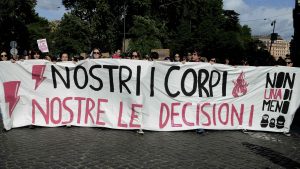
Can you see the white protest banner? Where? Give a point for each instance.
(160, 96)
(42, 44)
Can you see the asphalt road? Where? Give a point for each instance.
(80, 147)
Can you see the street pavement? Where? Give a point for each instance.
(82, 147)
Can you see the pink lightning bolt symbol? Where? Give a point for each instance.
(11, 90)
(37, 74)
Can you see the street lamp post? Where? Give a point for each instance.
(272, 35)
(124, 26)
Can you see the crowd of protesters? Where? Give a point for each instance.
(194, 56)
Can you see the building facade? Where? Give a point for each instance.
(280, 47)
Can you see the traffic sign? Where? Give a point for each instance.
(14, 51)
(13, 44)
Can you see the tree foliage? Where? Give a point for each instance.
(180, 25)
(71, 36)
(14, 16)
(39, 29)
(146, 35)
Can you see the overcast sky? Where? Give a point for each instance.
(257, 14)
(50, 9)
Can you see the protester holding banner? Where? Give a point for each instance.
(26, 55)
(226, 61)
(176, 58)
(289, 62)
(64, 57)
(154, 56)
(96, 53)
(14, 58)
(212, 60)
(196, 57)
(4, 56)
(49, 58)
(188, 57)
(36, 55)
(146, 57)
(203, 59)
(117, 54)
(82, 56)
(135, 55)
(281, 62)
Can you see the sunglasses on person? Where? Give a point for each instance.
(213, 60)
(96, 52)
(289, 62)
(3, 55)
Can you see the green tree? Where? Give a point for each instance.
(146, 34)
(39, 29)
(192, 24)
(71, 36)
(180, 25)
(103, 18)
(103, 28)
(230, 21)
(14, 16)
